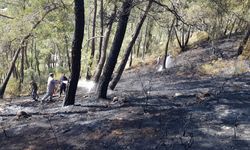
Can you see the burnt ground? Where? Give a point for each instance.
(177, 109)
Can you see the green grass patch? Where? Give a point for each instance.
(225, 67)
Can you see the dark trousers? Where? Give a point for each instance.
(62, 88)
(34, 94)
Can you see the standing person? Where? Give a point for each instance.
(34, 89)
(63, 83)
(50, 87)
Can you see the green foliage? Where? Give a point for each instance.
(62, 70)
(246, 51)
(225, 67)
(12, 88)
(198, 37)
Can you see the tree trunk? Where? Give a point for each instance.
(177, 38)
(15, 73)
(91, 59)
(187, 38)
(183, 41)
(145, 41)
(58, 56)
(101, 26)
(21, 70)
(67, 52)
(22, 63)
(238, 26)
(166, 47)
(32, 54)
(48, 61)
(149, 35)
(76, 53)
(131, 56)
(100, 65)
(225, 31)
(129, 48)
(26, 56)
(231, 30)
(37, 61)
(88, 41)
(183, 36)
(244, 41)
(139, 45)
(102, 87)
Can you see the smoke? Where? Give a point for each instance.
(87, 85)
(169, 63)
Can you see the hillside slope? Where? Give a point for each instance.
(177, 109)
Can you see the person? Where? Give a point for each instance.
(50, 88)
(34, 89)
(63, 83)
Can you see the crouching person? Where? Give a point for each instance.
(50, 88)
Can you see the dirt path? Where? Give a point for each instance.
(176, 110)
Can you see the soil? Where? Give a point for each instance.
(176, 109)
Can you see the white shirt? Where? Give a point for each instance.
(51, 85)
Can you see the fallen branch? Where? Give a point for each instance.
(5, 16)
(54, 133)
(5, 134)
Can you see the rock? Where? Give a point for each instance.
(115, 99)
(124, 100)
(202, 96)
(22, 114)
(177, 94)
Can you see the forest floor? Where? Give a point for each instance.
(176, 109)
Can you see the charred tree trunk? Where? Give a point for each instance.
(100, 65)
(129, 48)
(21, 70)
(91, 59)
(166, 47)
(244, 41)
(76, 53)
(102, 87)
